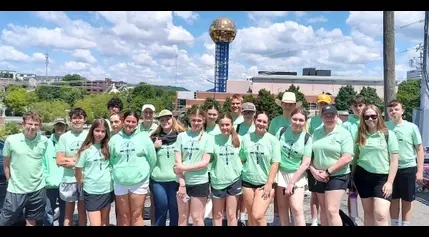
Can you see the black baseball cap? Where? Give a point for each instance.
(329, 109)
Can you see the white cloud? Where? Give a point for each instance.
(300, 13)
(84, 55)
(188, 16)
(9, 53)
(76, 66)
(317, 19)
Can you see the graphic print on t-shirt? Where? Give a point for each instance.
(226, 152)
(194, 146)
(288, 145)
(169, 150)
(75, 146)
(258, 151)
(127, 148)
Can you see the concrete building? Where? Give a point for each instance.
(100, 86)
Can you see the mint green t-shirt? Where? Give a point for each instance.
(277, 123)
(329, 148)
(213, 130)
(259, 152)
(148, 132)
(70, 144)
(408, 135)
(238, 120)
(244, 129)
(315, 122)
(374, 157)
(26, 162)
(293, 149)
(352, 125)
(96, 170)
(166, 159)
(193, 146)
(53, 172)
(226, 166)
(132, 157)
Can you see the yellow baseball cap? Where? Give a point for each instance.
(324, 98)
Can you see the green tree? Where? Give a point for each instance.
(409, 95)
(69, 78)
(9, 128)
(226, 107)
(268, 104)
(45, 92)
(70, 95)
(298, 94)
(344, 95)
(371, 97)
(50, 110)
(210, 102)
(15, 100)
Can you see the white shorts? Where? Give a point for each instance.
(283, 179)
(141, 188)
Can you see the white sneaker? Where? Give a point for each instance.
(314, 223)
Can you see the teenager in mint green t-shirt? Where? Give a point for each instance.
(377, 164)
(410, 165)
(236, 103)
(260, 152)
(163, 185)
(148, 125)
(53, 176)
(226, 173)
(23, 155)
(248, 110)
(93, 171)
(212, 127)
(193, 150)
(133, 157)
(296, 148)
(67, 148)
(330, 167)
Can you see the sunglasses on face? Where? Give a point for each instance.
(373, 117)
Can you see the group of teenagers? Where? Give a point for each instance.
(238, 162)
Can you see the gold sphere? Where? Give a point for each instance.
(223, 30)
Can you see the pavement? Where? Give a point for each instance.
(420, 212)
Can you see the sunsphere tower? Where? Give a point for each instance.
(222, 32)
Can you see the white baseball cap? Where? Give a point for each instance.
(148, 106)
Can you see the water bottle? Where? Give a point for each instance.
(353, 204)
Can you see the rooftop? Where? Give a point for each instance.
(317, 78)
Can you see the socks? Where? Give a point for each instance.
(405, 223)
(242, 216)
(314, 222)
(395, 222)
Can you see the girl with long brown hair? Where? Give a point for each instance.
(163, 185)
(375, 166)
(132, 156)
(193, 149)
(225, 174)
(260, 152)
(296, 149)
(94, 173)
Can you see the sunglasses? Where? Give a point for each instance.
(373, 117)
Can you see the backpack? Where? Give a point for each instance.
(283, 130)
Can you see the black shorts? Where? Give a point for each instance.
(96, 202)
(311, 181)
(404, 184)
(250, 185)
(370, 185)
(198, 190)
(338, 182)
(34, 204)
(234, 189)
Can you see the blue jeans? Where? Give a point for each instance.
(53, 195)
(164, 197)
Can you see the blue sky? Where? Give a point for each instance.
(174, 48)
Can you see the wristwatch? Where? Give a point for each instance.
(327, 171)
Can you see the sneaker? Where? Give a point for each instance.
(276, 222)
(314, 224)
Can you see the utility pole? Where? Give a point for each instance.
(424, 92)
(47, 63)
(389, 59)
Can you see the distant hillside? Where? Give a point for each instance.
(171, 88)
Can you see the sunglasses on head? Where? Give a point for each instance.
(373, 117)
